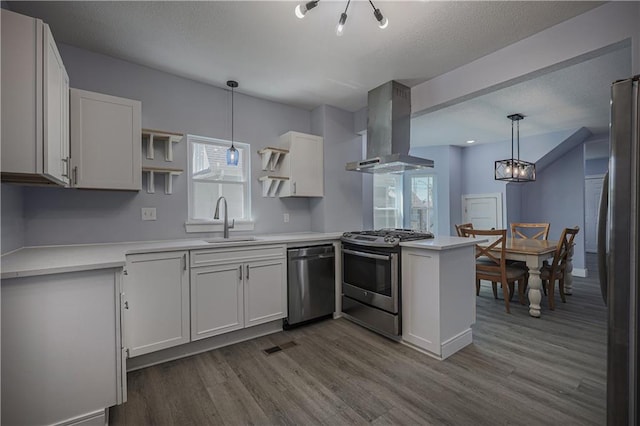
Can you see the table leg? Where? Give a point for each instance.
(535, 287)
(568, 277)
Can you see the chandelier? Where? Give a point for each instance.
(514, 169)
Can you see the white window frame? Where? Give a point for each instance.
(408, 180)
(399, 204)
(211, 225)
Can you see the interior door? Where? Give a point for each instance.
(592, 191)
(483, 210)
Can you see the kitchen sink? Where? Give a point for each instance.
(230, 239)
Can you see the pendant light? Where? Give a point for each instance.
(232, 153)
(514, 169)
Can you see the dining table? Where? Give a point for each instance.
(534, 253)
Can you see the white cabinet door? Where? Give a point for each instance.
(216, 300)
(60, 346)
(265, 292)
(56, 112)
(106, 138)
(156, 291)
(303, 165)
(35, 117)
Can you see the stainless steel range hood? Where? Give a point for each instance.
(388, 132)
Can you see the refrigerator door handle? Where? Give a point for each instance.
(602, 237)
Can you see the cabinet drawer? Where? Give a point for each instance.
(227, 255)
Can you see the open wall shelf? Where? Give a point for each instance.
(168, 173)
(151, 136)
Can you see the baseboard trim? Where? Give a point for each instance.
(204, 345)
(447, 348)
(580, 272)
(456, 343)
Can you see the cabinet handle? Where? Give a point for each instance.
(294, 187)
(65, 162)
(240, 271)
(75, 175)
(126, 304)
(184, 259)
(247, 271)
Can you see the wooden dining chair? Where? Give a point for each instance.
(550, 273)
(461, 226)
(491, 264)
(534, 231)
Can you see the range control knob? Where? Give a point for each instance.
(347, 235)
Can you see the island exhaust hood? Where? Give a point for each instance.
(388, 132)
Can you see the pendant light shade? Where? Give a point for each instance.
(514, 169)
(233, 155)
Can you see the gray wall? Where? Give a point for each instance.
(11, 200)
(597, 166)
(60, 216)
(341, 207)
(557, 197)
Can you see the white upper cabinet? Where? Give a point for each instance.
(35, 103)
(106, 137)
(303, 165)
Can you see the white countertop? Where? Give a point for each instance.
(444, 242)
(43, 260)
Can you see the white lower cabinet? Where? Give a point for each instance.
(438, 299)
(156, 293)
(236, 288)
(62, 357)
(216, 300)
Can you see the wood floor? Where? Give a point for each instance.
(518, 371)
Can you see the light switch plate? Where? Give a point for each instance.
(149, 213)
(286, 218)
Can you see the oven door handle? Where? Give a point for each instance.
(369, 255)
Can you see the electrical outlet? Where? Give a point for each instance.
(149, 213)
(286, 218)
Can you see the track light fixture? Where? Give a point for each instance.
(302, 9)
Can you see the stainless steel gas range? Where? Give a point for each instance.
(371, 278)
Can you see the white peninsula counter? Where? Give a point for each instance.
(438, 294)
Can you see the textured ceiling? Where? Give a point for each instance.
(276, 56)
(572, 97)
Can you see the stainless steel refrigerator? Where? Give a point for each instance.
(618, 252)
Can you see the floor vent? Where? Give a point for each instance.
(279, 348)
(272, 350)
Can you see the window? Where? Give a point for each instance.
(423, 212)
(389, 204)
(210, 178)
(387, 201)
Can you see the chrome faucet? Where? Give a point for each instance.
(216, 215)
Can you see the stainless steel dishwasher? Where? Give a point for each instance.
(311, 284)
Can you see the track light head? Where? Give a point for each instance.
(341, 22)
(302, 9)
(383, 22)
